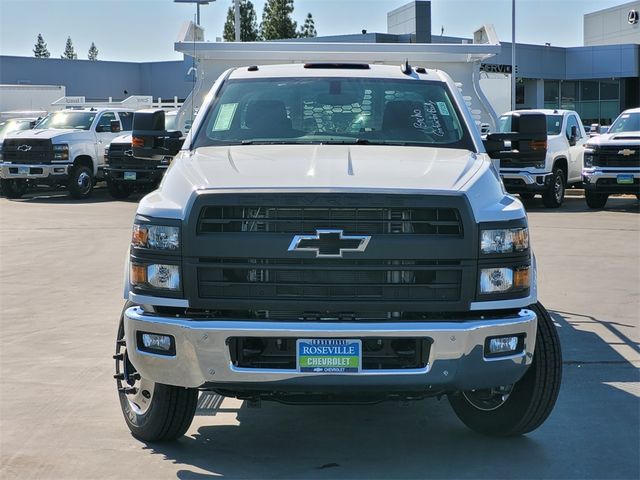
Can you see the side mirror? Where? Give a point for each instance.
(115, 126)
(573, 139)
(528, 139)
(150, 139)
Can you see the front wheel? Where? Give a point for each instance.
(153, 411)
(520, 408)
(80, 182)
(13, 188)
(596, 200)
(553, 196)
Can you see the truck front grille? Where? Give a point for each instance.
(421, 255)
(377, 353)
(302, 220)
(27, 151)
(610, 156)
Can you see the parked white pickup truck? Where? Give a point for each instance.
(334, 233)
(562, 166)
(66, 148)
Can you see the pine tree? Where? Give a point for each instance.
(248, 23)
(40, 50)
(93, 52)
(276, 20)
(69, 52)
(309, 28)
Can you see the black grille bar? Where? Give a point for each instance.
(27, 151)
(611, 156)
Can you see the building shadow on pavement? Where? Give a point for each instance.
(592, 433)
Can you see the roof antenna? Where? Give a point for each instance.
(406, 68)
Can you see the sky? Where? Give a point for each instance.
(145, 30)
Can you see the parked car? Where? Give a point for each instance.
(66, 148)
(334, 233)
(126, 173)
(562, 166)
(612, 160)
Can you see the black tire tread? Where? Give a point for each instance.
(596, 200)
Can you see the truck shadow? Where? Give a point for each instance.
(62, 197)
(592, 433)
(571, 204)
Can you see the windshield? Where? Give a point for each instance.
(61, 120)
(334, 111)
(14, 126)
(554, 124)
(626, 122)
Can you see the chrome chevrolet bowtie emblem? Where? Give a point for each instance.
(329, 243)
(626, 152)
(128, 153)
(24, 148)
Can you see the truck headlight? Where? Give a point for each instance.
(61, 151)
(589, 153)
(161, 276)
(504, 279)
(157, 237)
(106, 155)
(504, 240)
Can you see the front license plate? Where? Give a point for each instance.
(23, 170)
(321, 355)
(625, 179)
(129, 175)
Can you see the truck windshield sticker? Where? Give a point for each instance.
(225, 116)
(432, 119)
(443, 108)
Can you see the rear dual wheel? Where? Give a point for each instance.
(522, 407)
(153, 411)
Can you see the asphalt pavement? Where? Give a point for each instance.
(61, 266)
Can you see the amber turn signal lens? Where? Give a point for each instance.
(137, 142)
(138, 274)
(521, 278)
(538, 144)
(140, 236)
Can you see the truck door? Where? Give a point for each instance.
(576, 151)
(104, 134)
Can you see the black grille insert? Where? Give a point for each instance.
(609, 156)
(329, 279)
(29, 151)
(304, 220)
(377, 353)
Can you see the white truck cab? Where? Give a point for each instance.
(65, 148)
(334, 232)
(562, 166)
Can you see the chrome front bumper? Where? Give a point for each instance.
(456, 358)
(17, 170)
(594, 174)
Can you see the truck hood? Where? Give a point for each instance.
(48, 133)
(310, 167)
(620, 138)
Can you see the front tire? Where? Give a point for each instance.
(523, 407)
(80, 182)
(596, 200)
(153, 412)
(553, 196)
(15, 188)
(119, 190)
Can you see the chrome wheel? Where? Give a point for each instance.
(558, 188)
(488, 399)
(84, 181)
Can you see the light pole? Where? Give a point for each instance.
(198, 3)
(513, 54)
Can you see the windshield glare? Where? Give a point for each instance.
(63, 120)
(626, 122)
(14, 126)
(334, 110)
(554, 124)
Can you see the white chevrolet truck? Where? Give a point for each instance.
(612, 161)
(562, 166)
(66, 148)
(335, 233)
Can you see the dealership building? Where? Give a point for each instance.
(598, 79)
